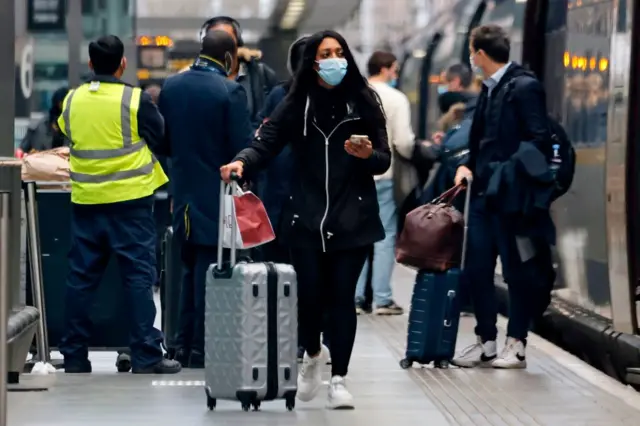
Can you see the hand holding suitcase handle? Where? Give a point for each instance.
(233, 178)
(447, 198)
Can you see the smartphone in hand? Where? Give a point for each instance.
(357, 139)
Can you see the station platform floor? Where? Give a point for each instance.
(557, 389)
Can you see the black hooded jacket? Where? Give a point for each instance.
(333, 202)
(515, 112)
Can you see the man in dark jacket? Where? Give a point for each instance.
(207, 123)
(44, 134)
(511, 110)
(248, 70)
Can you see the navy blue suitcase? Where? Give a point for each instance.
(435, 311)
(433, 318)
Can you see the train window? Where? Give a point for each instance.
(410, 79)
(509, 14)
(576, 80)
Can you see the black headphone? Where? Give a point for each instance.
(237, 29)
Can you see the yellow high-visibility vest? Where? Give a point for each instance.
(110, 162)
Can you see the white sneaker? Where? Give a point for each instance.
(310, 375)
(477, 355)
(512, 356)
(339, 397)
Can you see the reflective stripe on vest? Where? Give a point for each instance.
(102, 154)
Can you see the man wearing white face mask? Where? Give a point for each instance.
(509, 139)
(383, 77)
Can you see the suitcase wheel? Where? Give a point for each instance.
(123, 363)
(256, 405)
(245, 406)
(443, 364)
(290, 403)
(406, 363)
(211, 402)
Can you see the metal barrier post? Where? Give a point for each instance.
(4, 302)
(35, 257)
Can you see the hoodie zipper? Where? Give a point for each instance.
(326, 176)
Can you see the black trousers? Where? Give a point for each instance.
(196, 260)
(330, 278)
(130, 234)
(272, 252)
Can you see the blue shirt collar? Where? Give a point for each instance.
(493, 81)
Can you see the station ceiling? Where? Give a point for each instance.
(326, 14)
(317, 15)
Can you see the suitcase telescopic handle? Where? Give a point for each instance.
(230, 220)
(467, 181)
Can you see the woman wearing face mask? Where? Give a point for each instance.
(331, 217)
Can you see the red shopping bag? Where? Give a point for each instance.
(245, 211)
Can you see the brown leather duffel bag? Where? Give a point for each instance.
(433, 235)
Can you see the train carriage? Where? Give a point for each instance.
(584, 52)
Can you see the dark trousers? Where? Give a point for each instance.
(273, 252)
(97, 232)
(489, 236)
(327, 283)
(196, 260)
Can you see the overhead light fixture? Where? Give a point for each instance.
(292, 14)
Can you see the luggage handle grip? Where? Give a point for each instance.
(467, 203)
(232, 222)
(451, 295)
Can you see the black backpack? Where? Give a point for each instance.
(564, 175)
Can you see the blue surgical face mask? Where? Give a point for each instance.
(442, 89)
(332, 70)
(393, 83)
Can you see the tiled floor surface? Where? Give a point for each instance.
(550, 392)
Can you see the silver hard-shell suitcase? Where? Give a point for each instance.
(251, 327)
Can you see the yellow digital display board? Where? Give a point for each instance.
(160, 40)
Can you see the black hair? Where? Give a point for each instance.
(354, 85)
(226, 20)
(217, 44)
(106, 54)
(461, 71)
(380, 60)
(493, 40)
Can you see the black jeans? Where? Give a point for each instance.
(330, 278)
